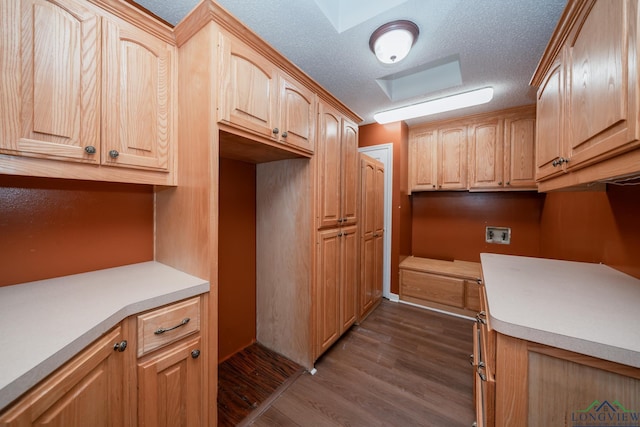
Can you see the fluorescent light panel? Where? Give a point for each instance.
(435, 106)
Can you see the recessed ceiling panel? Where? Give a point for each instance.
(346, 14)
(422, 80)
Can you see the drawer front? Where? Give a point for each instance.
(431, 287)
(167, 324)
(471, 295)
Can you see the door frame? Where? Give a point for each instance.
(384, 153)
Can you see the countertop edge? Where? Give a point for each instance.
(14, 389)
(564, 342)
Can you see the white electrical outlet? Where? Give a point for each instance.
(501, 235)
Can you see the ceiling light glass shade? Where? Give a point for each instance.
(435, 106)
(392, 42)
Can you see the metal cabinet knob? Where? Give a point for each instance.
(285, 134)
(500, 183)
(90, 149)
(114, 154)
(195, 354)
(508, 182)
(120, 346)
(275, 131)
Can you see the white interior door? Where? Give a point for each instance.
(384, 154)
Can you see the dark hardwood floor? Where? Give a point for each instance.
(250, 380)
(403, 366)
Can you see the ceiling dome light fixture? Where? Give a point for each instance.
(392, 42)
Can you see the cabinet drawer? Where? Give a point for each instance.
(471, 295)
(167, 324)
(431, 287)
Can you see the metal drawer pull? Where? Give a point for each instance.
(482, 376)
(160, 331)
(481, 317)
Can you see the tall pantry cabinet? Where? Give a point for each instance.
(371, 234)
(337, 218)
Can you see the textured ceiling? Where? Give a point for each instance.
(497, 42)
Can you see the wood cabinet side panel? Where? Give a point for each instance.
(511, 381)
(284, 269)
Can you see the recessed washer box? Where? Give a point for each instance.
(501, 235)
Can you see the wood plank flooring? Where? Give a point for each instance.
(403, 366)
(249, 379)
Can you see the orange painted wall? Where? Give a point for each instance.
(236, 257)
(451, 225)
(575, 226)
(397, 134)
(594, 227)
(53, 227)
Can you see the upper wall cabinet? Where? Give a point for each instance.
(438, 158)
(85, 87)
(587, 96)
(501, 151)
(50, 80)
(256, 96)
(136, 98)
(493, 151)
(338, 172)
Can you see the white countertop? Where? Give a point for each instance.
(587, 308)
(45, 323)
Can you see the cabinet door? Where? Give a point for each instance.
(297, 115)
(51, 99)
(350, 269)
(452, 156)
(423, 161)
(329, 164)
(549, 123)
(367, 230)
(328, 289)
(248, 88)
(520, 171)
(137, 99)
(349, 173)
(87, 391)
(171, 388)
(372, 234)
(486, 160)
(379, 233)
(602, 80)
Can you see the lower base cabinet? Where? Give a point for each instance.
(90, 390)
(445, 285)
(523, 383)
(110, 384)
(170, 387)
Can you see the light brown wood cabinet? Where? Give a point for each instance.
(587, 96)
(483, 361)
(493, 151)
(170, 387)
(438, 158)
(501, 151)
(549, 122)
(338, 169)
(337, 250)
(445, 285)
(519, 382)
(258, 97)
(91, 389)
(371, 234)
(164, 381)
(336, 284)
(172, 366)
(83, 86)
